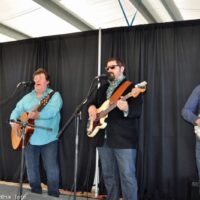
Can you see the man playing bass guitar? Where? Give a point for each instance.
(117, 142)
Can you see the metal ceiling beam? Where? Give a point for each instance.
(12, 33)
(55, 7)
(144, 11)
(172, 9)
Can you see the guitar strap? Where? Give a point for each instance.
(41, 106)
(117, 94)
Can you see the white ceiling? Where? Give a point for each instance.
(21, 19)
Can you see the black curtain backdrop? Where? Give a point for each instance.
(165, 55)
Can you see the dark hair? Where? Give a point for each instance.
(42, 71)
(118, 61)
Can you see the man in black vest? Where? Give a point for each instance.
(117, 143)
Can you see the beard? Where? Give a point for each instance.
(111, 76)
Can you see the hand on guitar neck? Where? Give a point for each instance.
(122, 104)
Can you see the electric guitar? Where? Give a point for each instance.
(102, 112)
(16, 134)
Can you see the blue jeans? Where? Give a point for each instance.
(197, 150)
(118, 166)
(49, 155)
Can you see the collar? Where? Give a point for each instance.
(116, 82)
(47, 91)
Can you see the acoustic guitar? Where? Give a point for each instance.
(102, 112)
(16, 134)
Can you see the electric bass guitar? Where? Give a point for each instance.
(102, 112)
(16, 134)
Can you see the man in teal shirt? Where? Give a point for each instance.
(43, 143)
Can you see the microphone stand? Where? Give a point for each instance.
(77, 115)
(23, 134)
(23, 126)
(12, 95)
(19, 196)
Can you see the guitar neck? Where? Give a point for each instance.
(43, 102)
(37, 108)
(112, 106)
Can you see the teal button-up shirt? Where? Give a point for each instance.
(49, 116)
(113, 85)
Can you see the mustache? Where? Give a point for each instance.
(111, 76)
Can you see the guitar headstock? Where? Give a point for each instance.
(139, 88)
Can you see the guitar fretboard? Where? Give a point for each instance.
(103, 113)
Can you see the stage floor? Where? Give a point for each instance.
(9, 191)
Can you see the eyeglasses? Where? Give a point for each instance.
(111, 67)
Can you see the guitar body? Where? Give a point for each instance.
(99, 122)
(16, 134)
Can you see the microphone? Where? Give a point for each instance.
(25, 83)
(102, 76)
